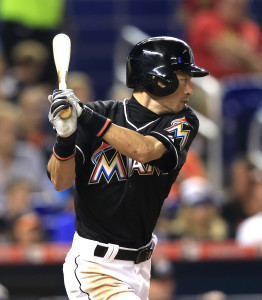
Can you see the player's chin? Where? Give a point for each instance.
(180, 106)
(178, 109)
(183, 104)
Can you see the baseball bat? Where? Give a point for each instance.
(61, 53)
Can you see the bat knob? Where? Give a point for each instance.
(66, 113)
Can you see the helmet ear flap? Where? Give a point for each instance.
(162, 87)
(159, 81)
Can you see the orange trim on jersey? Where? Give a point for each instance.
(108, 121)
(63, 158)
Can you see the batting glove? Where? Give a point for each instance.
(68, 96)
(61, 100)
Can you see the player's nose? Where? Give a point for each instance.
(188, 90)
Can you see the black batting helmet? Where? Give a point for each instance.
(153, 62)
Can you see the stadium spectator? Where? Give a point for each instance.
(31, 20)
(29, 59)
(27, 230)
(19, 201)
(188, 8)
(4, 293)
(198, 217)
(193, 167)
(162, 284)
(212, 295)
(82, 85)
(225, 39)
(34, 126)
(19, 198)
(19, 159)
(237, 206)
(249, 231)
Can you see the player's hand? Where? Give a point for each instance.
(61, 100)
(69, 96)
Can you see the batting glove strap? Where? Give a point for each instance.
(64, 148)
(95, 123)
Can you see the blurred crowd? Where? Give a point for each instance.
(31, 211)
(225, 39)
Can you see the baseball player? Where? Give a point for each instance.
(123, 157)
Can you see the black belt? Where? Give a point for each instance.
(137, 256)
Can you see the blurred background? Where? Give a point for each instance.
(210, 228)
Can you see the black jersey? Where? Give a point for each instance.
(118, 199)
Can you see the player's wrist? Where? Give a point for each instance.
(64, 147)
(95, 123)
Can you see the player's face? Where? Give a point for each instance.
(179, 99)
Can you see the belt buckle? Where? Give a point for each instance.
(144, 255)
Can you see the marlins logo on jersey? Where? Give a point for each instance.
(178, 130)
(109, 163)
(107, 167)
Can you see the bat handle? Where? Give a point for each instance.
(65, 113)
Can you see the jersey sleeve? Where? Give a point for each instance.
(107, 108)
(97, 106)
(177, 134)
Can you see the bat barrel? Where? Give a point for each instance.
(61, 53)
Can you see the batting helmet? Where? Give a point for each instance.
(153, 62)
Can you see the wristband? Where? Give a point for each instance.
(94, 122)
(64, 148)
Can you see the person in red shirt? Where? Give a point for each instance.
(188, 8)
(226, 40)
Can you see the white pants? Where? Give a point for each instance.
(94, 278)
